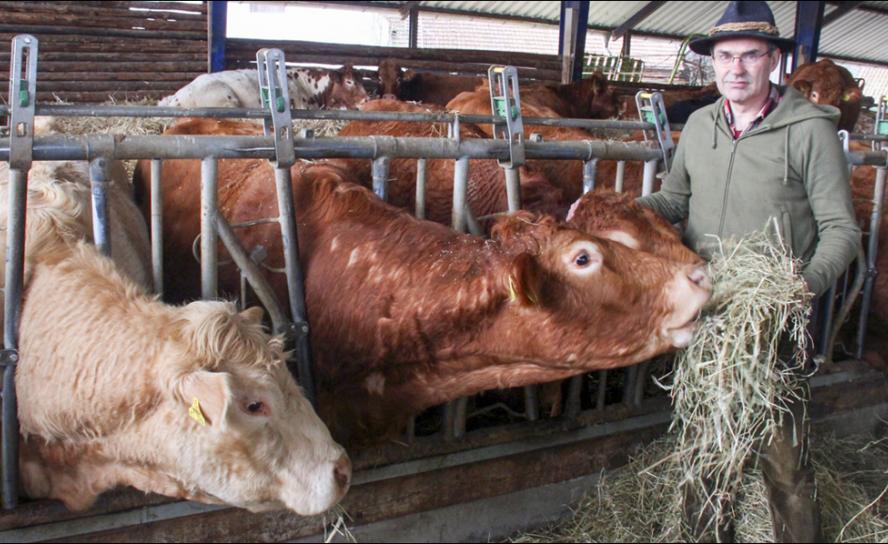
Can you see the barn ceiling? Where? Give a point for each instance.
(858, 35)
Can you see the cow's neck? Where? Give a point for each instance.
(312, 86)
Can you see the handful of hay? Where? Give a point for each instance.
(732, 384)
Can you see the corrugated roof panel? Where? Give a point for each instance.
(548, 10)
(857, 34)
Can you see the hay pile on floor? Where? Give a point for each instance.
(638, 504)
(728, 390)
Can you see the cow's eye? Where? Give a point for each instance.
(257, 408)
(582, 259)
(349, 83)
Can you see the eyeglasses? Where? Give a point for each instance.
(746, 59)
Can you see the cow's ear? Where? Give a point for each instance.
(851, 95)
(253, 315)
(525, 280)
(206, 397)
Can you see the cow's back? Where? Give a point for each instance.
(228, 89)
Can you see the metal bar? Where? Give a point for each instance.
(574, 389)
(634, 19)
(808, 23)
(567, 39)
(209, 258)
(460, 186)
(157, 226)
(251, 272)
(61, 147)
(380, 172)
(620, 175)
(217, 29)
(513, 188)
(589, 168)
(12, 303)
(842, 9)
(295, 282)
(631, 374)
(602, 390)
(472, 223)
(413, 26)
(647, 184)
(420, 188)
(872, 250)
(826, 321)
(84, 110)
(640, 380)
(99, 182)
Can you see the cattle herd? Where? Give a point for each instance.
(192, 399)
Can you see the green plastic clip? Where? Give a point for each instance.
(24, 96)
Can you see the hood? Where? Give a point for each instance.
(793, 108)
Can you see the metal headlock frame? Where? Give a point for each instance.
(21, 147)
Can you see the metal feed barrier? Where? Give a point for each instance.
(282, 147)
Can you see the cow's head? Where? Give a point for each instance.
(346, 89)
(389, 78)
(599, 302)
(237, 426)
(617, 217)
(598, 98)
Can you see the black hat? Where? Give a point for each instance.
(743, 19)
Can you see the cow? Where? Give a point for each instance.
(116, 388)
(588, 98)
(486, 192)
(406, 314)
(566, 175)
(307, 89)
(825, 82)
(679, 103)
(428, 88)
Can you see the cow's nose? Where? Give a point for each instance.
(699, 277)
(342, 473)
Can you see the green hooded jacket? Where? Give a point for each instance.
(790, 168)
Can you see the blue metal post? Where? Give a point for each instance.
(579, 40)
(809, 20)
(217, 29)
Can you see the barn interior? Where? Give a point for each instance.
(509, 465)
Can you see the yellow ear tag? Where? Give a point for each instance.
(513, 296)
(195, 412)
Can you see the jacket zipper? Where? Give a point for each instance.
(724, 210)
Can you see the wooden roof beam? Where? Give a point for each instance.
(635, 18)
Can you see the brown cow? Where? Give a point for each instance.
(407, 314)
(108, 375)
(566, 175)
(486, 189)
(825, 82)
(588, 98)
(422, 87)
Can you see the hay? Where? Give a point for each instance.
(730, 386)
(335, 526)
(639, 504)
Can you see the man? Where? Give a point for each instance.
(762, 153)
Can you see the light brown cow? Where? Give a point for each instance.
(825, 82)
(407, 314)
(116, 388)
(486, 188)
(307, 89)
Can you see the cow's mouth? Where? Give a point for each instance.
(682, 335)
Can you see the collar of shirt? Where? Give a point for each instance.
(769, 105)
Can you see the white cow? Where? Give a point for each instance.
(308, 89)
(117, 388)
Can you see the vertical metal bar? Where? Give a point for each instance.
(574, 388)
(98, 181)
(631, 374)
(157, 226)
(602, 390)
(647, 184)
(295, 282)
(589, 169)
(872, 249)
(472, 223)
(826, 320)
(15, 268)
(209, 257)
(420, 188)
(513, 188)
(621, 173)
(460, 187)
(413, 26)
(380, 173)
(640, 381)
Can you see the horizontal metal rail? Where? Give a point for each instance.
(72, 148)
(332, 115)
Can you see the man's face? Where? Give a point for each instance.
(742, 67)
